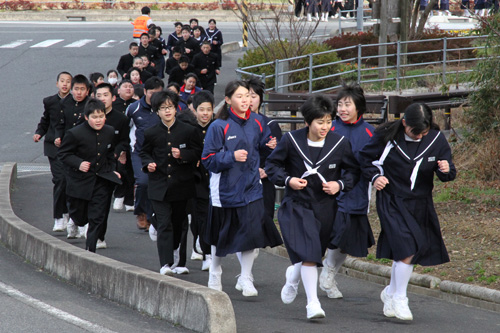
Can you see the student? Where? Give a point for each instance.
(146, 48)
(96, 79)
(161, 45)
(173, 38)
(179, 72)
(337, 5)
(169, 154)
(189, 87)
(112, 78)
(312, 10)
(206, 66)
(214, 36)
(193, 23)
(174, 61)
(127, 61)
(188, 44)
(401, 160)
(134, 75)
(138, 92)
(142, 117)
(139, 63)
(142, 23)
(46, 127)
(87, 153)
(231, 154)
(172, 86)
(124, 98)
(326, 6)
(352, 233)
(147, 66)
(314, 164)
(199, 35)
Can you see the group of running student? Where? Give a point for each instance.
(223, 173)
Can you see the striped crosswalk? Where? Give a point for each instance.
(59, 43)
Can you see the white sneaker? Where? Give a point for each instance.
(334, 292)
(214, 281)
(153, 234)
(401, 308)
(289, 290)
(118, 203)
(129, 208)
(314, 310)
(198, 246)
(83, 231)
(72, 229)
(205, 266)
(176, 257)
(166, 270)
(101, 244)
(196, 256)
(327, 276)
(181, 270)
(387, 299)
(58, 225)
(65, 219)
(238, 286)
(247, 287)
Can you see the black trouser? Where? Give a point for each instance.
(338, 5)
(199, 224)
(171, 222)
(60, 206)
(126, 189)
(94, 211)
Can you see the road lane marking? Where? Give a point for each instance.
(49, 309)
(111, 43)
(47, 43)
(80, 43)
(17, 43)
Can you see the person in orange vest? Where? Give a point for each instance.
(142, 23)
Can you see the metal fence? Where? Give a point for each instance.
(449, 62)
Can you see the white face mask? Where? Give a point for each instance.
(112, 80)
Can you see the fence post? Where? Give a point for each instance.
(281, 79)
(310, 73)
(398, 64)
(276, 73)
(340, 22)
(359, 64)
(445, 46)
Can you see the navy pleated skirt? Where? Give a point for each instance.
(241, 229)
(306, 228)
(409, 227)
(352, 234)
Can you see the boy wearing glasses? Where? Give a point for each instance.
(169, 155)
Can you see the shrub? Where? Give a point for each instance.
(257, 56)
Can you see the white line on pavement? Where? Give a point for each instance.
(47, 43)
(80, 43)
(12, 45)
(110, 43)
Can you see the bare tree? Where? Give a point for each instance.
(416, 30)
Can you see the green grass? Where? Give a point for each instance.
(372, 257)
(481, 275)
(488, 196)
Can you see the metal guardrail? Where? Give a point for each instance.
(280, 72)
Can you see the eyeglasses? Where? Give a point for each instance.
(166, 108)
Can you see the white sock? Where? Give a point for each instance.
(238, 255)
(403, 273)
(246, 263)
(310, 282)
(335, 259)
(215, 266)
(392, 285)
(294, 279)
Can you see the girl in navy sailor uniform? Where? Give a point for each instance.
(352, 233)
(314, 164)
(401, 160)
(236, 219)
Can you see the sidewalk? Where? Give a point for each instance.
(359, 311)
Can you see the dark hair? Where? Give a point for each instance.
(418, 116)
(159, 29)
(95, 76)
(191, 75)
(144, 34)
(124, 81)
(206, 42)
(316, 107)
(258, 87)
(139, 90)
(187, 28)
(152, 31)
(145, 10)
(175, 85)
(80, 78)
(63, 73)
(161, 97)
(154, 83)
(92, 106)
(112, 71)
(197, 27)
(356, 93)
(183, 58)
(193, 20)
(176, 49)
(176, 24)
(105, 85)
(201, 97)
(212, 20)
(135, 58)
(131, 70)
(189, 100)
(231, 87)
(133, 44)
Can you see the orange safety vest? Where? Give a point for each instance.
(140, 26)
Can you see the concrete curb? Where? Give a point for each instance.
(480, 297)
(180, 302)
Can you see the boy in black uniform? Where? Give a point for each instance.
(88, 155)
(145, 48)
(46, 128)
(126, 61)
(188, 44)
(206, 67)
(125, 96)
(170, 168)
(179, 72)
(174, 60)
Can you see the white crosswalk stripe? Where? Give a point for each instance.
(111, 43)
(80, 43)
(17, 43)
(47, 43)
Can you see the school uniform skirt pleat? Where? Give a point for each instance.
(409, 227)
(241, 229)
(352, 234)
(306, 228)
